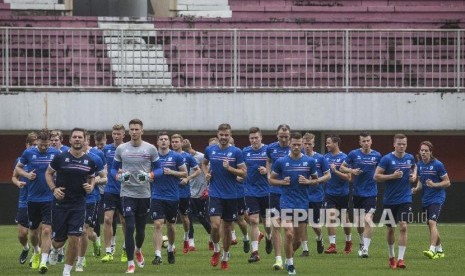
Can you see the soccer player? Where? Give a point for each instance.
(112, 199)
(361, 164)
(337, 193)
(315, 194)
(75, 178)
(293, 173)
(133, 162)
(92, 200)
(100, 139)
(56, 140)
(165, 196)
(397, 169)
(39, 198)
(21, 216)
(226, 164)
(199, 196)
(193, 171)
(257, 196)
(433, 180)
(274, 151)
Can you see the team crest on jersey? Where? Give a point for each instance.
(408, 161)
(66, 159)
(248, 154)
(305, 164)
(393, 162)
(338, 160)
(86, 162)
(213, 152)
(373, 158)
(34, 156)
(359, 157)
(170, 158)
(287, 164)
(52, 156)
(229, 154)
(263, 153)
(212, 210)
(275, 151)
(430, 167)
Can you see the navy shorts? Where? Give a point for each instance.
(225, 208)
(135, 207)
(400, 212)
(432, 211)
(257, 205)
(199, 207)
(21, 217)
(241, 206)
(164, 209)
(184, 206)
(365, 203)
(314, 209)
(67, 220)
(39, 212)
(112, 202)
(91, 214)
(275, 201)
(336, 202)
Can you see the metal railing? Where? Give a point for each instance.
(231, 59)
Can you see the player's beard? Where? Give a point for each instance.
(77, 146)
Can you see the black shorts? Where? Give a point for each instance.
(432, 211)
(257, 205)
(91, 214)
(366, 203)
(21, 217)
(241, 206)
(67, 220)
(164, 209)
(135, 207)
(398, 212)
(225, 208)
(112, 202)
(39, 212)
(336, 202)
(314, 209)
(199, 207)
(275, 201)
(184, 206)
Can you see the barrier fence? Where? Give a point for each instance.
(231, 59)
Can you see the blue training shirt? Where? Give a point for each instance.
(188, 159)
(397, 191)
(113, 186)
(316, 193)
(336, 186)
(275, 151)
(434, 170)
(22, 198)
(99, 160)
(223, 183)
(364, 184)
(166, 187)
(256, 184)
(35, 160)
(294, 196)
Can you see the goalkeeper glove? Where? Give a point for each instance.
(143, 176)
(124, 177)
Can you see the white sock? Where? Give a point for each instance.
(26, 247)
(320, 237)
(225, 257)
(61, 250)
(36, 249)
(158, 253)
(246, 237)
(268, 236)
(366, 243)
(362, 240)
(439, 248)
(108, 250)
(304, 245)
(332, 239)
(44, 258)
(278, 258)
(67, 268)
(170, 247)
(254, 246)
(289, 261)
(113, 240)
(186, 236)
(432, 248)
(401, 252)
(124, 245)
(137, 250)
(130, 262)
(216, 247)
(233, 235)
(80, 260)
(191, 242)
(391, 250)
(98, 240)
(349, 237)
